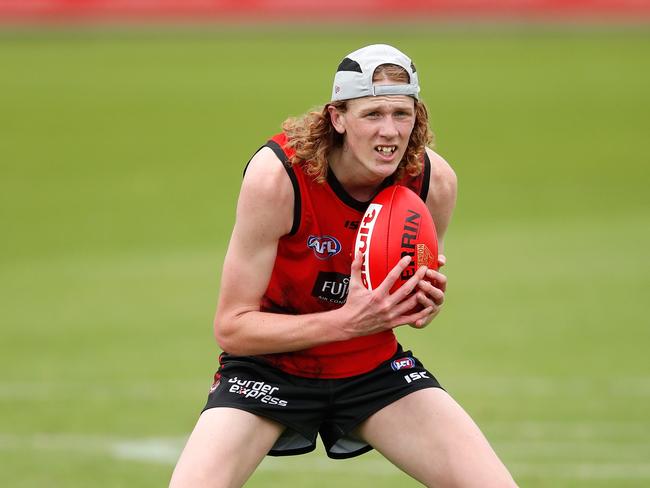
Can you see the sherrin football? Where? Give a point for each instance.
(397, 223)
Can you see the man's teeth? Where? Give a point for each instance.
(386, 149)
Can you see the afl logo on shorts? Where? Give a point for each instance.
(403, 363)
(324, 247)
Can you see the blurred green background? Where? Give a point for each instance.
(121, 155)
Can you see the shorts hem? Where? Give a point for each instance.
(270, 416)
(292, 452)
(349, 428)
(388, 401)
(348, 455)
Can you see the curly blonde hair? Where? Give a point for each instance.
(313, 136)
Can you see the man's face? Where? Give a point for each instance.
(377, 131)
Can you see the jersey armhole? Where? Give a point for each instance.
(275, 147)
(426, 178)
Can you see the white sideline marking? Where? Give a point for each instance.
(584, 471)
(154, 450)
(577, 451)
(560, 431)
(166, 450)
(532, 386)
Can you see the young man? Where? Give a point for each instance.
(309, 350)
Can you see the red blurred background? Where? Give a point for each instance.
(21, 11)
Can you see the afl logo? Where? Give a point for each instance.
(403, 363)
(324, 247)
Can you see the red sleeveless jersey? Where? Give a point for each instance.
(312, 269)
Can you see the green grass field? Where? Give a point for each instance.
(120, 161)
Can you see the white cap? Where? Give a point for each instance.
(353, 77)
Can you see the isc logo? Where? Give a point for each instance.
(416, 375)
(324, 247)
(403, 363)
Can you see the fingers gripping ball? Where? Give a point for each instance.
(397, 223)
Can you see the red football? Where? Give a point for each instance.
(397, 223)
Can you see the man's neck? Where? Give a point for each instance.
(352, 176)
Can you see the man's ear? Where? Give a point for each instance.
(337, 118)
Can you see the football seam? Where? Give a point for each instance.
(387, 267)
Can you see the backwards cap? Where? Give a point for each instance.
(353, 77)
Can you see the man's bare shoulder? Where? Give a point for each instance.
(266, 171)
(267, 192)
(441, 198)
(443, 181)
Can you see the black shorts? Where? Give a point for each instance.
(307, 406)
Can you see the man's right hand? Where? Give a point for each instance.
(373, 311)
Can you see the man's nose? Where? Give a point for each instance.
(388, 128)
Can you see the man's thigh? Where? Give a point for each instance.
(430, 437)
(224, 449)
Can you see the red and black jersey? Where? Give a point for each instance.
(312, 269)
